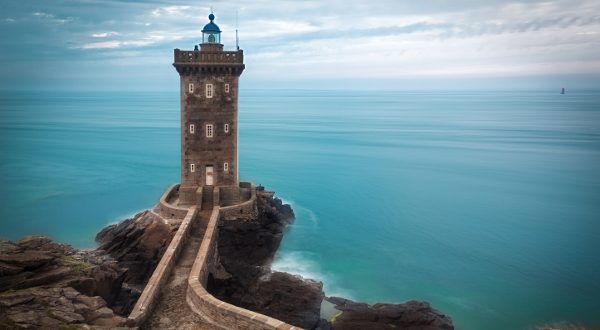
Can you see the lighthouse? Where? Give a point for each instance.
(209, 118)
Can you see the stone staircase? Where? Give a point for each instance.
(207, 198)
(172, 311)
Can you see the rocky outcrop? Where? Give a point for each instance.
(245, 251)
(137, 244)
(47, 285)
(411, 315)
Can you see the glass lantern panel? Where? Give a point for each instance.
(211, 38)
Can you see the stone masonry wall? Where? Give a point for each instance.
(213, 310)
(151, 293)
(165, 209)
(220, 313)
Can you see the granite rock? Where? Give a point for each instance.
(411, 315)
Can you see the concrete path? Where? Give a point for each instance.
(172, 311)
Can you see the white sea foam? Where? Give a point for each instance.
(312, 216)
(287, 201)
(303, 212)
(121, 218)
(301, 263)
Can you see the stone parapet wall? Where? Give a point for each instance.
(151, 293)
(229, 195)
(208, 57)
(167, 210)
(244, 210)
(213, 310)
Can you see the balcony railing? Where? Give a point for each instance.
(198, 57)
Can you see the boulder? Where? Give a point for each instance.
(246, 249)
(137, 244)
(411, 315)
(55, 285)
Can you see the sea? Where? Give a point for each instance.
(484, 203)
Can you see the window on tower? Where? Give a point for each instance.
(192, 129)
(209, 91)
(226, 88)
(192, 167)
(191, 88)
(226, 167)
(209, 130)
(226, 128)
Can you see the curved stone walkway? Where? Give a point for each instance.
(172, 310)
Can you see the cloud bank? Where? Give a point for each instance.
(304, 41)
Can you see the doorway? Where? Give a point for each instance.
(209, 176)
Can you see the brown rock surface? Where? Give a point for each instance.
(48, 285)
(137, 244)
(245, 250)
(411, 315)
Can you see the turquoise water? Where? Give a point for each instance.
(486, 204)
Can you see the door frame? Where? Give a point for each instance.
(212, 175)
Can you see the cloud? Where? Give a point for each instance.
(52, 18)
(104, 34)
(170, 10)
(102, 45)
(350, 39)
(150, 38)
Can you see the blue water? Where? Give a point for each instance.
(486, 204)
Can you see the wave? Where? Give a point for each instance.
(122, 218)
(300, 263)
(301, 211)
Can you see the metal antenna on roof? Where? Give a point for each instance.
(237, 40)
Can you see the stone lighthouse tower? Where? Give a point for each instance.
(209, 118)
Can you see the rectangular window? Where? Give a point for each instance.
(192, 129)
(226, 88)
(226, 128)
(209, 130)
(191, 88)
(192, 167)
(209, 91)
(226, 167)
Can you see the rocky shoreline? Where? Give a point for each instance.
(48, 285)
(245, 252)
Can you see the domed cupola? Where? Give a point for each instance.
(211, 34)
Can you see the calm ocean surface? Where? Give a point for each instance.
(486, 204)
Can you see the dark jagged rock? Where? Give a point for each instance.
(245, 250)
(137, 244)
(47, 285)
(411, 315)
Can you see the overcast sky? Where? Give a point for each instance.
(393, 44)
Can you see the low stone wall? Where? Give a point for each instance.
(245, 210)
(229, 195)
(167, 210)
(151, 293)
(213, 310)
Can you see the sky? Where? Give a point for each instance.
(383, 44)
